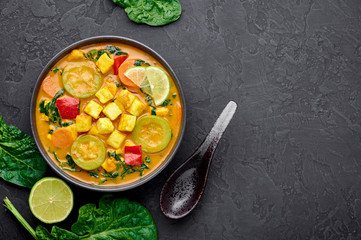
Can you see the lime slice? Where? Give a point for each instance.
(159, 84)
(51, 200)
(136, 74)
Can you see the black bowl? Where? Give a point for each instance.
(48, 67)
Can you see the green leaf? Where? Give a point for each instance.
(151, 12)
(115, 219)
(56, 234)
(20, 160)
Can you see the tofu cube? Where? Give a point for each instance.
(104, 95)
(105, 126)
(127, 122)
(75, 55)
(49, 136)
(137, 107)
(105, 63)
(162, 111)
(93, 109)
(110, 164)
(112, 111)
(83, 123)
(73, 131)
(119, 104)
(111, 85)
(116, 139)
(129, 143)
(93, 130)
(126, 98)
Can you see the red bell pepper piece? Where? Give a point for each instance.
(133, 155)
(68, 107)
(117, 62)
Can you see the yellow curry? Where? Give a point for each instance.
(108, 114)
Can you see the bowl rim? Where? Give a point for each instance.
(59, 56)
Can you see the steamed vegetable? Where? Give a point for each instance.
(81, 79)
(114, 219)
(117, 62)
(20, 160)
(151, 12)
(133, 155)
(153, 133)
(68, 107)
(88, 152)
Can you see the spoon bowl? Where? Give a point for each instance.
(184, 188)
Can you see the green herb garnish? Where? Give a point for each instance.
(174, 95)
(147, 159)
(71, 162)
(111, 175)
(140, 62)
(154, 111)
(115, 50)
(93, 174)
(51, 111)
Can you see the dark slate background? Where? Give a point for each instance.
(289, 165)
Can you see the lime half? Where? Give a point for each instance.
(136, 74)
(51, 200)
(159, 84)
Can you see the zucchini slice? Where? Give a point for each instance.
(153, 133)
(88, 152)
(81, 79)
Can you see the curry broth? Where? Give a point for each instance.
(174, 119)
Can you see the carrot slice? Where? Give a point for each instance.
(62, 138)
(124, 67)
(51, 85)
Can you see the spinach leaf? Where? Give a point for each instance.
(151, 12)
(139, 62)
(115, 50)
(20, 160)
(71, 162)
(56, 234)
(114, 219)
(93, 174)
(52, 111)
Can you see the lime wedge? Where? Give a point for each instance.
(159, 84)
(136, 75)
(51, 200)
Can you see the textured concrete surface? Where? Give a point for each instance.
(288, 167)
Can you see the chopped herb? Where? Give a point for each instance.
(119, 166)
(139, 62)
(120, 85)
(101, 52)
(149, 99)
(93, 174)
(111, 175)
(170, 115)
(55, 70)
(71, 170)
(174, 95)
(71, 162)
(165, 103)
(171, 135)
(56, 157)
(103, 181)
(115, 50)
(79, 106)
(67, 124)
(51, 131)
(147, 159)
(50, 109)
(93, 52)
(154, 111)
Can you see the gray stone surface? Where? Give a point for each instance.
(289, 165)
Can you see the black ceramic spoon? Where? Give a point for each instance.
(184, 188)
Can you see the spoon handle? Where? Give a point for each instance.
(219, 127)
